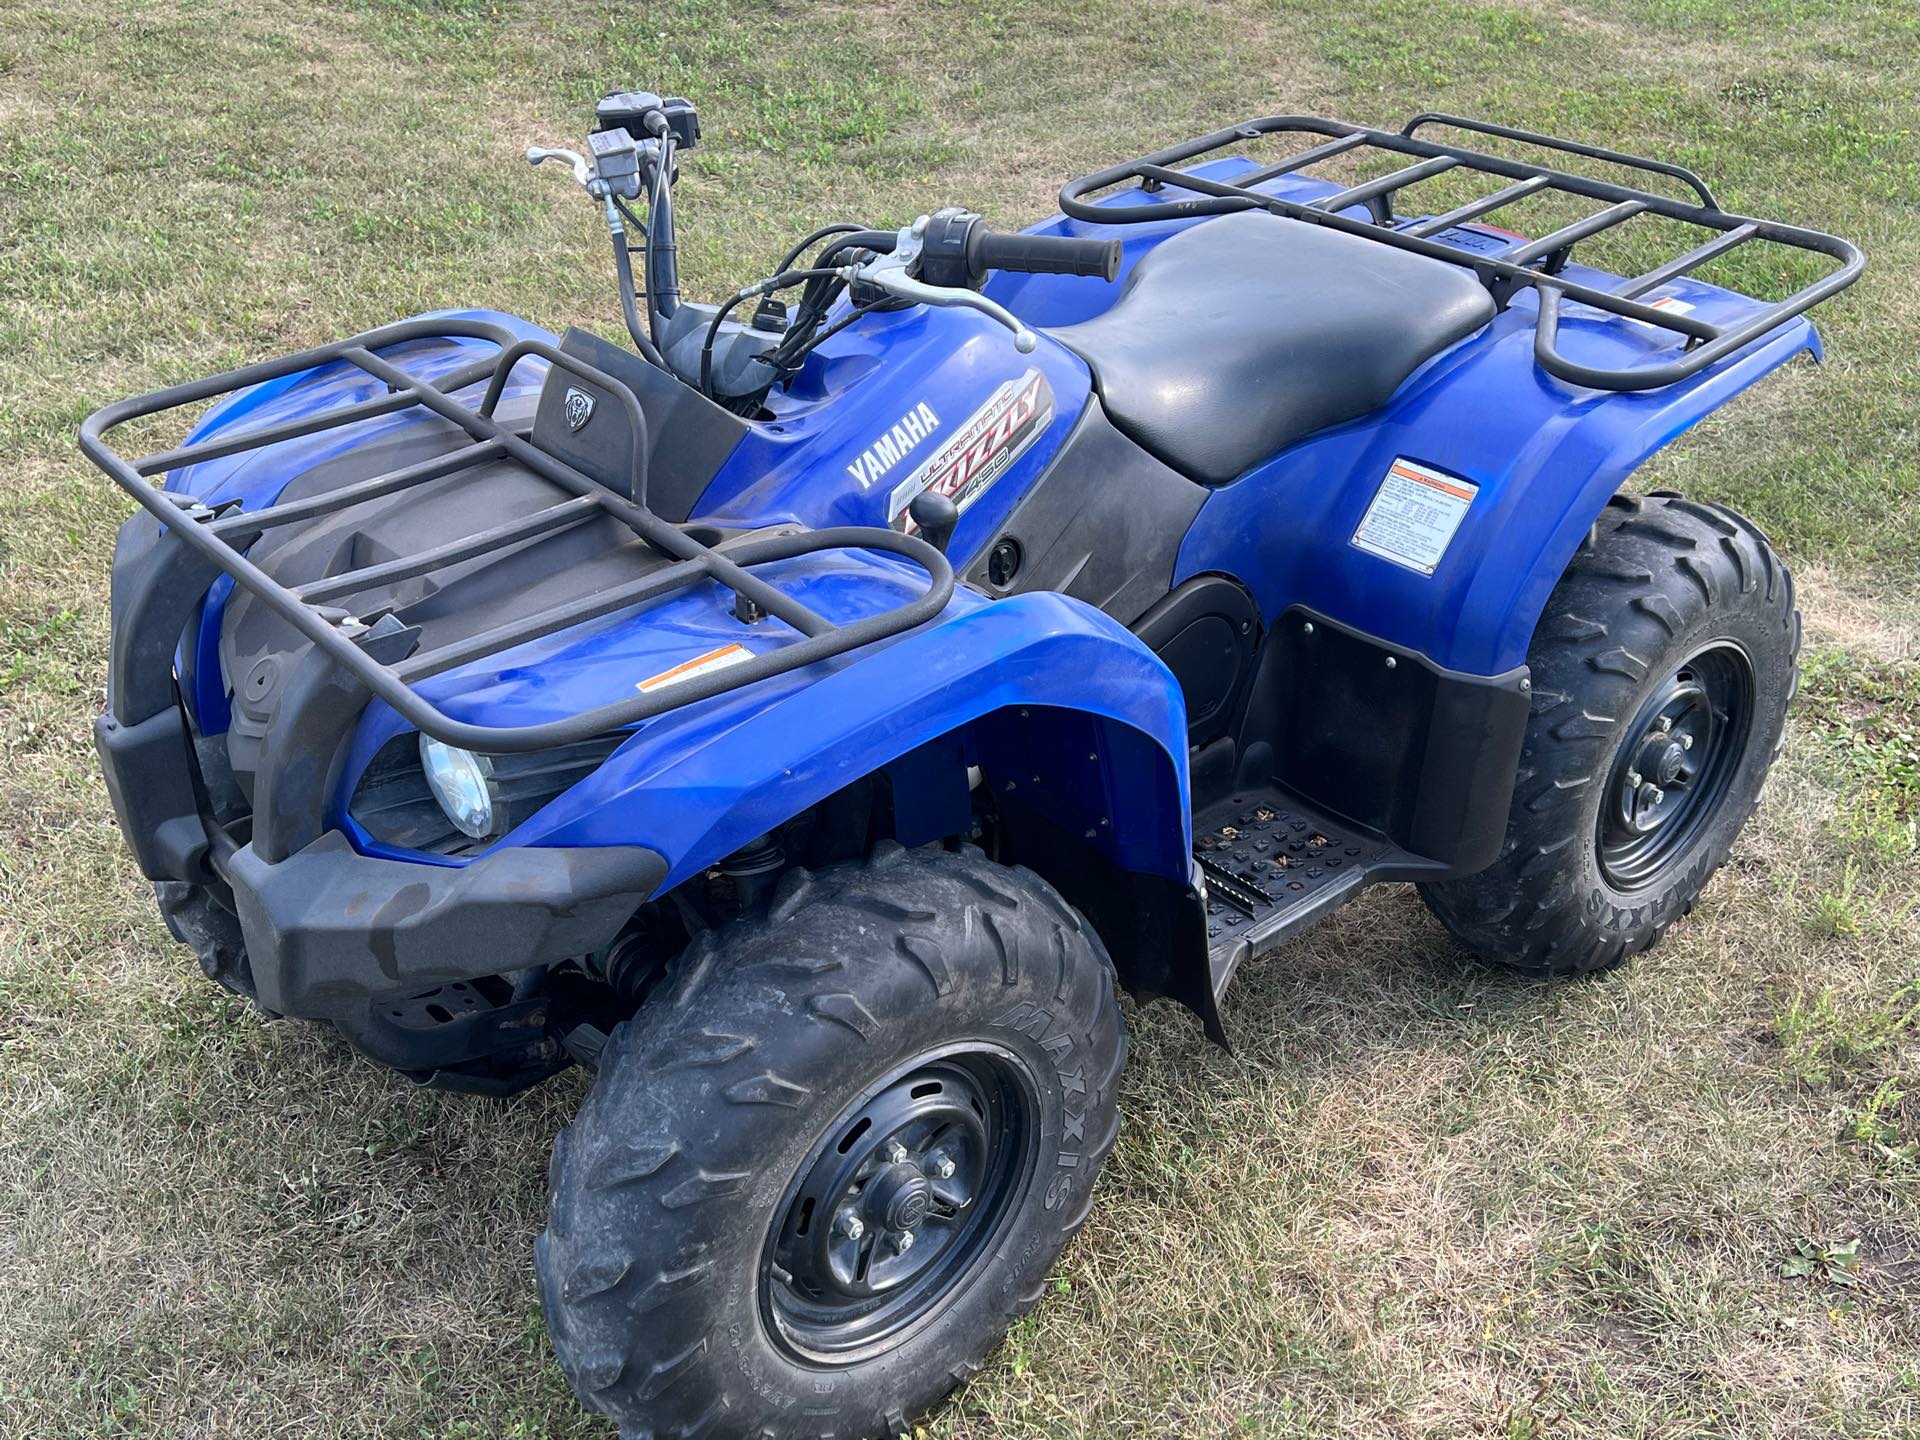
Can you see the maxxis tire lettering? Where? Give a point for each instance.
(1038, 1024)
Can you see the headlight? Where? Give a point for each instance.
(463, 784)
(420, 794)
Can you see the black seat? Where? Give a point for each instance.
(1238, 336)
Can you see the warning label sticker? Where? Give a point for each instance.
(706, 664)
(1414, 515)
(1672, 304)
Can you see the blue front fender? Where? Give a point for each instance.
(1099, 746)
(696, 795)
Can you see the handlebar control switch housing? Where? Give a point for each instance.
(644, 115)
(946, 251)
(616, 160)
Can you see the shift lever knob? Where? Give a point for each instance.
(936, 515)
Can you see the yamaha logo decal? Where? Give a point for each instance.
(579, 407)
(891, 448)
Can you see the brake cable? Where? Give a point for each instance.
(781, 281)
(662, 205)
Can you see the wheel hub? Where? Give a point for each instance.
(903, 1198)
(897, 1203)
(1681, 751)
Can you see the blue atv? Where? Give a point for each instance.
(804, 714)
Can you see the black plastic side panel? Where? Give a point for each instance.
(1154, 928)
(145, 748)
(149, 768)
(1103, 524)
(688, 436)
(158, 583)
(1386, 740)
(1206, 632)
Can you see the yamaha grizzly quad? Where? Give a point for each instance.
(804, 716)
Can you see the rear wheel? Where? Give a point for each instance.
(1662, 671)
(835, 1155)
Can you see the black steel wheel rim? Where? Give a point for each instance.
(1680, 754)
(900, 1204)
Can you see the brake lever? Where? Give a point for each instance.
(889, 273)
(582, 171)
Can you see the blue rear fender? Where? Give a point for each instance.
(1544, 456)
(1544, 459)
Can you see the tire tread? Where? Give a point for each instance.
(1647, 573)
(623, 1293)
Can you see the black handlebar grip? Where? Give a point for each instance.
(1043, 254)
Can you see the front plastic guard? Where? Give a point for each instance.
(328, 929)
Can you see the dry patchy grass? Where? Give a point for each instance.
(1419, 1198)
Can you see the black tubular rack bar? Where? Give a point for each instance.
(1525, 263)
(223, 535)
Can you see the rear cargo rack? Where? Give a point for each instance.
(1522, 264)
(376, 651)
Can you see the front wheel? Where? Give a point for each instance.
(834, 1157)
(1662, 671)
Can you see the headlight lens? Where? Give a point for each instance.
(463, 784)
(419, 794)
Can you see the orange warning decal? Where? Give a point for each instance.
(1427, 478)
(1414, 514)
(705, 664)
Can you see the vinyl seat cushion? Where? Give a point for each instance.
(1241, 335)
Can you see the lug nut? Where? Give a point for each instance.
(903, 1242)
(896, 1152)
(942, 1167)
(1686, 742)
(851, 1227)
(1666, 723)
(1633, 778)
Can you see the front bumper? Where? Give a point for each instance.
(329, 932)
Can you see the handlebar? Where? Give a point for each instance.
(1043, 254)
(888, 273)
(979, 250)
(940, 259)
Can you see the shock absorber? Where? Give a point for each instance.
(753, 868)
(632, 964)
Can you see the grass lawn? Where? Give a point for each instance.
(1419, 1198)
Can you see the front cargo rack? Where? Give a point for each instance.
(378, 655)
(1524, 263)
